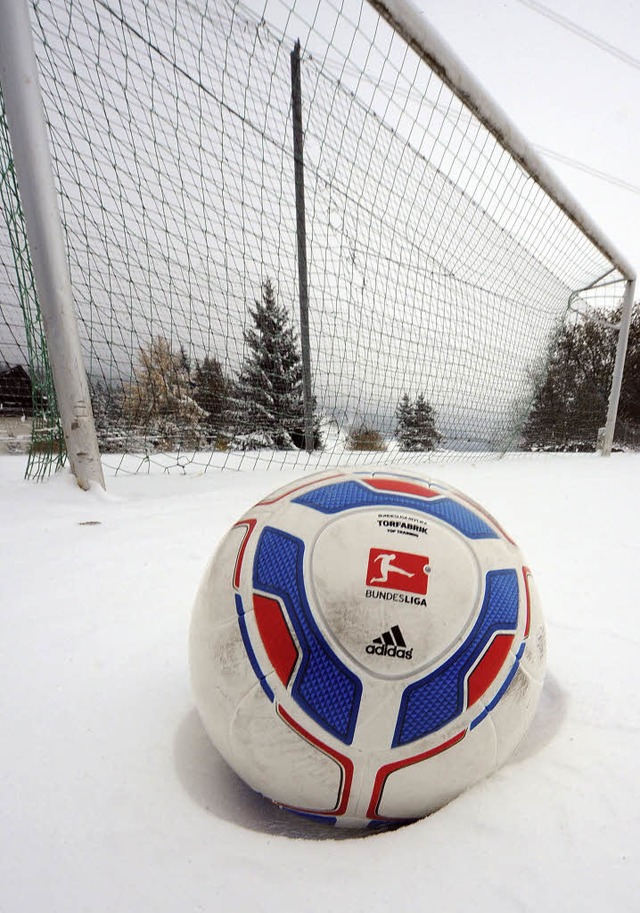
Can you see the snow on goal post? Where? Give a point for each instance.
(443, 261)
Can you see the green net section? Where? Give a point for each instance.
(441, 276)
(29, 417)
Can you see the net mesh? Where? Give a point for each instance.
(440, 273)
(29, 416)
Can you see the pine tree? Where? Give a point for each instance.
(426, 435)
(404, 415)
(212, 391)
(107, 406)
(269, 399)
(570, 404)
(416, 429)
(629, 411)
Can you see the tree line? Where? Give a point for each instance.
(571, 398)
(172, 403)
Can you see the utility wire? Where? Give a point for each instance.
(582, 32)
(594, 172)
(467, 117)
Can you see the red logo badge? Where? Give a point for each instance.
(395, 570)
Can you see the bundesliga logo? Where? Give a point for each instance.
(395, 570)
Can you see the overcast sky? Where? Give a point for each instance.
(572, 94)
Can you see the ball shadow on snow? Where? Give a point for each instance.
(550, 715)
(214, 786)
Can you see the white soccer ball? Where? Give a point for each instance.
(365, 645)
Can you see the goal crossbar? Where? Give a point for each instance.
(407, 21)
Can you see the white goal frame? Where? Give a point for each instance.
(29, 137)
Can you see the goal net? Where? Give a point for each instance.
(440, 273)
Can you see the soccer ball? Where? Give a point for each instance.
(365, 645)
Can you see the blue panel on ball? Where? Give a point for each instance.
(435, 700)
(333, 499)
(323, 686)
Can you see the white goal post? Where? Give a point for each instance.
(30, 143)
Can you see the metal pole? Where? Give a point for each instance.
(30, 146)
(301, 231)
(618, 368)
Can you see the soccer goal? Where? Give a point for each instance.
(286, 232)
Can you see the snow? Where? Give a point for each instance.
(113, 799)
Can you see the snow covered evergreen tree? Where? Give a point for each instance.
(570, 403)
(212, 391)
(416, 429)
(629, 411)
(404, 415)
(571, 398)
(269, 407)
(111, 425)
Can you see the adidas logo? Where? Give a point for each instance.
(391, 643)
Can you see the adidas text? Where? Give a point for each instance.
(390, 650)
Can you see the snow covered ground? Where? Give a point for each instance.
(113, 800)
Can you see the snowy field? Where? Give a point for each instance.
(113, 800)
